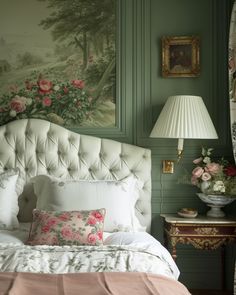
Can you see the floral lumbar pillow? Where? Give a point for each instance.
(67, 227)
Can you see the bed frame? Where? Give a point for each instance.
(40, 147)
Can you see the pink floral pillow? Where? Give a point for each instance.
(67, 227)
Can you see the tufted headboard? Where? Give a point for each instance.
(40, 147)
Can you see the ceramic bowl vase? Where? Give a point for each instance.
(216, 202)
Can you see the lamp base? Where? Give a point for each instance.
(179, 153)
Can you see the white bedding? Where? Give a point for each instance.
(122, 251)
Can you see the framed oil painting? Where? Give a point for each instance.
(58, 61)
(180, 56)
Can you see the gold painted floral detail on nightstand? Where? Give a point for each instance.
(206, 231)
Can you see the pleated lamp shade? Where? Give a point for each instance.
(182, 117)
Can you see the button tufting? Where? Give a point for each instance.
(5, 134)
(69, 169)
(5, 168)
(90, 169)
(26, 169)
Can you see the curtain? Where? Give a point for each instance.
(232, 77)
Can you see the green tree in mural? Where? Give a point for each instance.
(88, 25)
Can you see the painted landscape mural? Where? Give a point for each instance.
(57, 61)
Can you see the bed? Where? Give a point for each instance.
(75, 215)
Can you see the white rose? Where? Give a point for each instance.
(219, 186)
(56, 87)
(29, 101)
(207, 160)
(12, 113)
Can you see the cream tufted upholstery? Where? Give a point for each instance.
(40, 147)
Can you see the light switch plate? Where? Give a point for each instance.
(168, 166)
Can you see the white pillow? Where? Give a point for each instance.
(117, 197)
(8, 200)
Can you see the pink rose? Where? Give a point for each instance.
(47, 101)
(91, 238)
(198, 160)
(97, 215)
(66, 90)
(213, 168)
(99, 235)
(18, 104)
(67, 232)
(92, 220)
(78, 84)
(45, 86)
(197, 172)
(206, 176)
(194, 180)
(64, 217)
(46, 228)
(52, 221)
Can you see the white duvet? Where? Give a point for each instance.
(122, 251)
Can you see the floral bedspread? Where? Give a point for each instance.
(74, 259)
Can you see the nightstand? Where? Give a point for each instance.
(201, 232)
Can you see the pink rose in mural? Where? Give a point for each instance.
(78, 83)
(47, 101)
(45, 86)
(18, 104)
(66, 90)
(63, 103)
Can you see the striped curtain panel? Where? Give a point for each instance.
(232, 77)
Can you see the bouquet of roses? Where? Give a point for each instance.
(216, 178)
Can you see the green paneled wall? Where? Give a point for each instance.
(142, 93)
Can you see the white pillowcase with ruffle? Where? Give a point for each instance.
(117, 197)
(9, 200)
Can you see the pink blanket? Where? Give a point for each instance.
(105, 283)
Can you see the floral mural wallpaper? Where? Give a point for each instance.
(57, 61)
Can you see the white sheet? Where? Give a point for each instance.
(139, 250)
(145, 241)
(18, 236)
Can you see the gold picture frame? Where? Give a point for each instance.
(180, 56)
